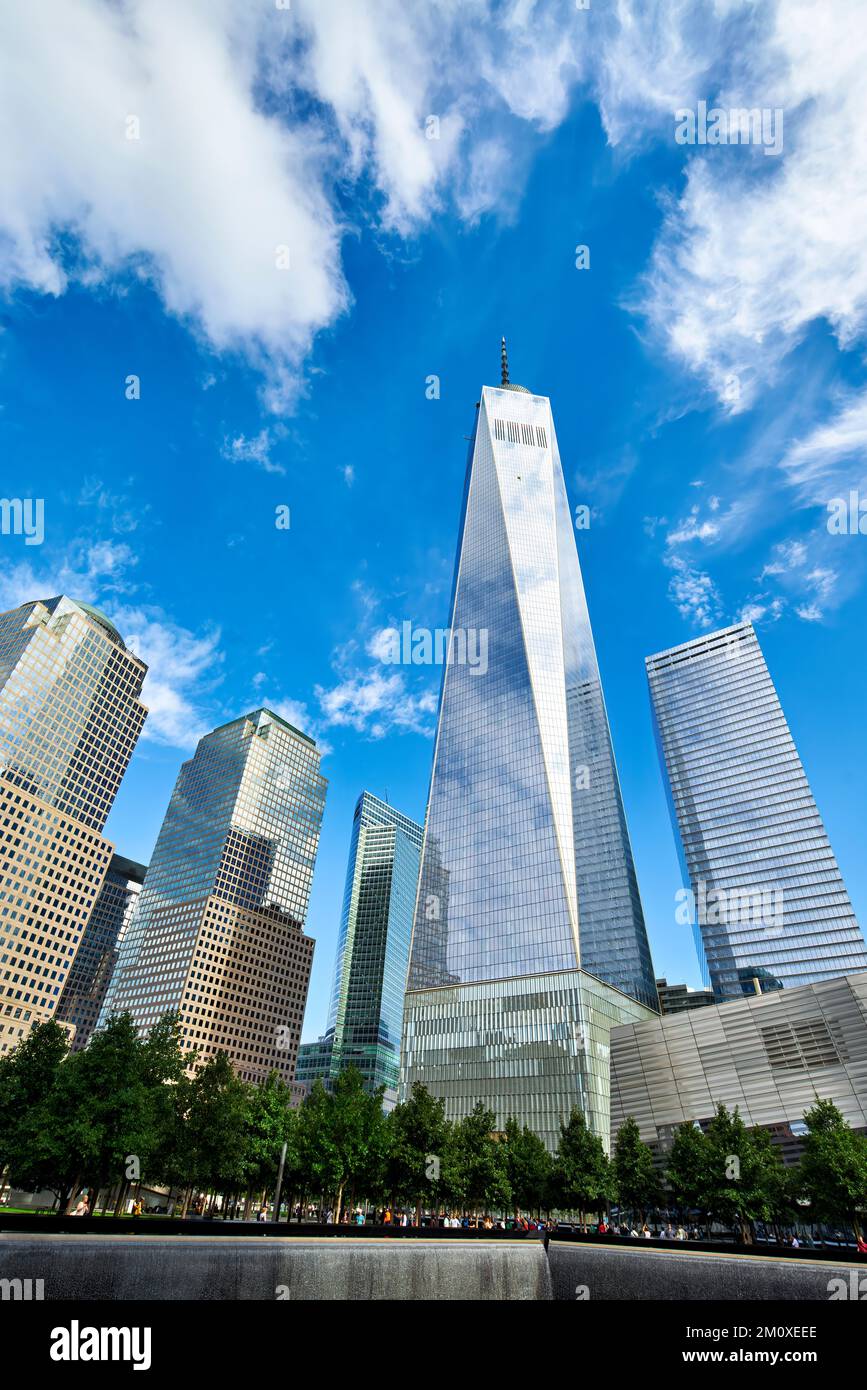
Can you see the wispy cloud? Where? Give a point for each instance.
(375, 703)
(832, 457)
(755, 250)
(183, 669)
(693, 592)
(257, 450)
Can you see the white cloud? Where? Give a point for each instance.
(250, 117)
(762, 607)
(752, 612)
(198, 205)
(182, 668)
(693, 529)
(810, 612)
(255, 450)
(822, 580)
(788, 555)
(801, 569)
(832, 457)
(756, 249)
(374, 703)
(381, 645)
(89, 570)
(693, 592)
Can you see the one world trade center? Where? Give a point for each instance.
(529, 941)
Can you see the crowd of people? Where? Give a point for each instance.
(386, 1216)
(471, 1221)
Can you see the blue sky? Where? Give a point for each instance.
(706, 373)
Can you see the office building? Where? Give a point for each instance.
(529, 941)
(366, 1012)
(767, 902)
(70, 716)
(93, 967)
(217, 935)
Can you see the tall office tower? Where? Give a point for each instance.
(529, 941)
(92, 969)
(366, 1014)
(70, 716)
(217, 933)
(767, 902)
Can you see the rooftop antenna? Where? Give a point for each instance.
(504, 363)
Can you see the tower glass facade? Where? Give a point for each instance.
(373, 947)
(94, 964)
(70, 716)
(70, 713)
(525, 820)
(217, 933)
(527, 869)
(768, 903)
(366, 1013)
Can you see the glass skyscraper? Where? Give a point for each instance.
(70, 716)
(529, 940)
(767, 901)
(217, 934)
(92, 969)
(70, 712)
(366, 1013)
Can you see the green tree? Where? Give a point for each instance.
(417, 1135)
(745, 1180)
(163, 1142)
(270, 1122)
(28, 1075)
(92, 1117)
(832, 1174)
(357, 1128)
(636, 1181)
(318, 1161)
(582, 1177)
(528, 1166)
(688, 1170)
(217, 1124)
(476, 1168)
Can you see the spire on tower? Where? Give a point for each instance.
(504, 363)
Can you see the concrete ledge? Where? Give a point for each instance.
(178, 1268)
(670, 1274)
(228, 1269)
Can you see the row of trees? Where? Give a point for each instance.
(127, 1109)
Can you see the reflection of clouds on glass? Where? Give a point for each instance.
(522, 860)
(749, 825)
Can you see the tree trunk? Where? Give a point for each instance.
(73, 1193)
